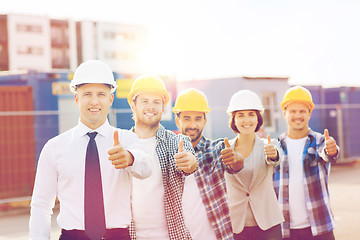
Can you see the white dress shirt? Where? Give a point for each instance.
(61, 170)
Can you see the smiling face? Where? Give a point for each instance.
(297, 116)
(148, 109)
(94, 100)
(246, 121)
(191, 123)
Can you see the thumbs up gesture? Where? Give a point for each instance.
(231, 158)
(330, 144)
(118, 156)
(270, 150)
(185, 161)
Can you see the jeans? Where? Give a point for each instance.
(305, 234)
(256, 233)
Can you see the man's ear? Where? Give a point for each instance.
(132, 106)
(112, 97)
(76, 98)
(177, 121)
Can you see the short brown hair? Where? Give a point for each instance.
(258, 126)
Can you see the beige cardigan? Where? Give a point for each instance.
(261, 195)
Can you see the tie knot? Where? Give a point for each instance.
(92, 135)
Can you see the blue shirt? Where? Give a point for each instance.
(316, 167)
(211, 182)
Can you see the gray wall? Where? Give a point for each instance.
(219, 92)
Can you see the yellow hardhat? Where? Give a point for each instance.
(191, 100)
(148, 83)
(297, 94)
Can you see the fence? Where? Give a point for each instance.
(23, 134)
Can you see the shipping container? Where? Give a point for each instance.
(17, 142)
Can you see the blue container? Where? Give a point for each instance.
(347, 99)
(46, 126)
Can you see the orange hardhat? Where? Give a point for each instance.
(297, 94)
(191, 100)
(148, 83)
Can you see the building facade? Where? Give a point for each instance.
(43, 44)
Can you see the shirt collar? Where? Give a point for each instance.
(160, 134)
(103, 130)
(201, 146)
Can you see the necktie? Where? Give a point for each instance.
(95, 227)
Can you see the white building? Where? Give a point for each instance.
(43, 44)
(28, 42)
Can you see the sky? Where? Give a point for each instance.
(310, 41)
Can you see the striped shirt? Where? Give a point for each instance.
(167, 144)
(211, 182)
(316, 167)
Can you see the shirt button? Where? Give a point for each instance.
(247, 194)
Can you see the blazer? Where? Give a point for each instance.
(260, 195)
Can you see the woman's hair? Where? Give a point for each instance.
(234, 128)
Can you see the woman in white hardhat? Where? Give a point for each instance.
(254, 210)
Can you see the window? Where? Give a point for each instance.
(268, 100)
(60, 58)
(28, 28)
(31, 50)
(110, 55)
(110, 35)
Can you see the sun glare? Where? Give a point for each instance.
(164, 54)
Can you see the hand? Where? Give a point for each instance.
(185, 161)
(330, 144)
(231, 158)
(269, 149)
(118, 156)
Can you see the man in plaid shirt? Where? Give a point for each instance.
(157, 202)
(301, 179)
(205, 205)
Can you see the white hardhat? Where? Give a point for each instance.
(93, 71)
(245, 100)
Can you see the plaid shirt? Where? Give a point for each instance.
(167, 144)
(316, 171)
(211, 182)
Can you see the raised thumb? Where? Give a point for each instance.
(116, 138)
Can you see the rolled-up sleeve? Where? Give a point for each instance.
(141, 167)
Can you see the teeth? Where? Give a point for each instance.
(94, 109)
(149, 114)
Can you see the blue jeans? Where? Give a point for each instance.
(305, 234)
(255, 233)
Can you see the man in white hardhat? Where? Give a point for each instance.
(205, 203)
(89, 167)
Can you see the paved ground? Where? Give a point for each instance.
(344, 193)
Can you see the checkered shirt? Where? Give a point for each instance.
(316, 172)
(167, 144)
(211, 182)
